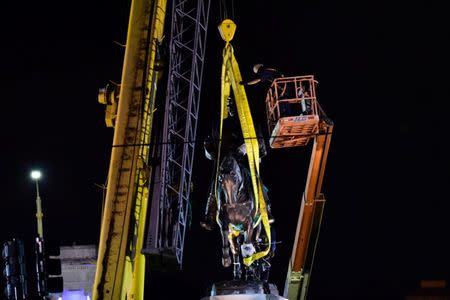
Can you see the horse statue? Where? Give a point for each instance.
(231, 202)
(240, 220)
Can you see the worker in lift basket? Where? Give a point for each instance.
(268, 75)
(264, 74)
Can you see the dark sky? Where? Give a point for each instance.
(382, 80)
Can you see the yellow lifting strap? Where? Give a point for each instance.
(231, 75)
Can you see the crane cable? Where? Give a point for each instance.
(231, 77)
(223, 10)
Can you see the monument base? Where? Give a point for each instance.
(243, 290)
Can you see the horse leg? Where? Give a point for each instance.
(226, 260)
(247, 247)
(237, 272)
(264, 269)
(257, 236)
(263, 243)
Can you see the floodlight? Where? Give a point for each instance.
(36, 174)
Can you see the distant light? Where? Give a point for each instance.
(36, 174)
(73, 295)
(433, 284)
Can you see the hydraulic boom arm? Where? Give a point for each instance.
(310, 217)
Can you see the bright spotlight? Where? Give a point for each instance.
(36, 174)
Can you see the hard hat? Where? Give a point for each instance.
(256, 67)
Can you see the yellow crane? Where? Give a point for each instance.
(134, 184)
(120, 264)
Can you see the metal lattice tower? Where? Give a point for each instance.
(187, 53)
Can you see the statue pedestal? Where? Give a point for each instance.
(243, 290)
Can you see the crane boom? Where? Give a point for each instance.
(120, 264)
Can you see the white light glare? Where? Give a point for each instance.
(35, 174)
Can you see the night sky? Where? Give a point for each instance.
(382, 81)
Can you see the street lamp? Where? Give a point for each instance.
(36, 175)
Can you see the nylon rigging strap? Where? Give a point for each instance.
(231, 76)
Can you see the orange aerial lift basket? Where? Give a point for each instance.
(292, 112)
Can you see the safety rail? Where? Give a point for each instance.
(292, 111)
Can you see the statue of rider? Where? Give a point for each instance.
(232, 141)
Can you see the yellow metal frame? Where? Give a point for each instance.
(118, 274)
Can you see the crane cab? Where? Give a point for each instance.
(292, 112)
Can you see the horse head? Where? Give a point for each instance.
(236, 188)
(231, 178)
